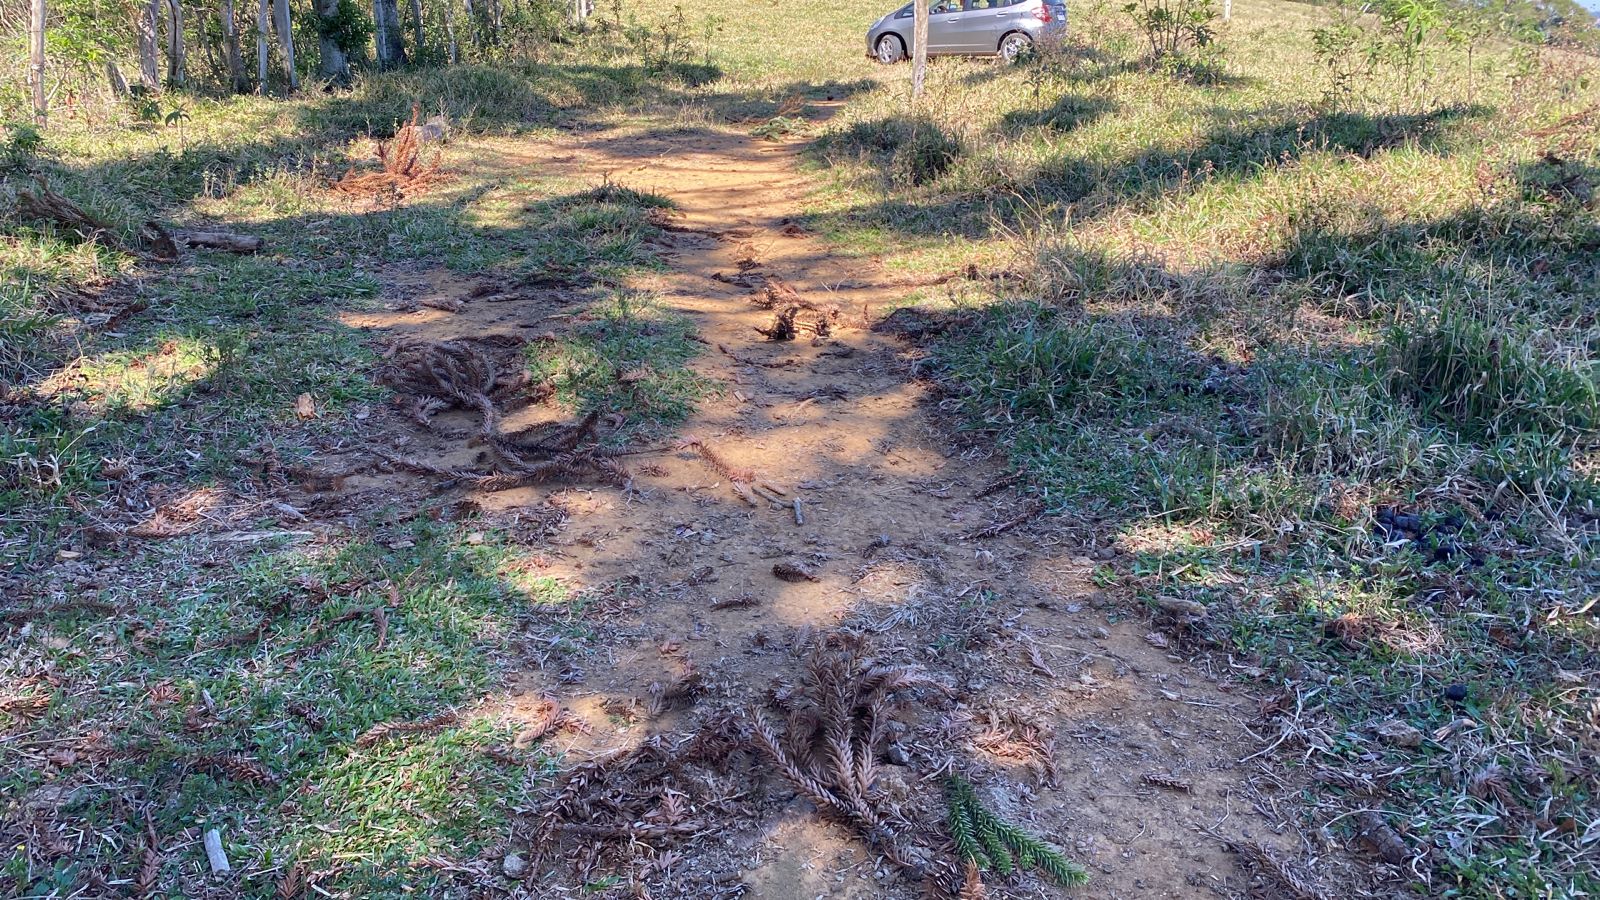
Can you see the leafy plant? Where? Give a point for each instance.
(1339, 51)
(776, 127)
(349, 28)
(21, 146)
(1171, 26)
(993, 844)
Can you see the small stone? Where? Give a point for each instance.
(514, 866)
(1400, 734)
(896, 754)
(1106, 553)
(1182, 608)
(1455, 693)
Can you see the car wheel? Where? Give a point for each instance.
(1014, 45)
(890, 50)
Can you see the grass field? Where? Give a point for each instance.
(1330, 371)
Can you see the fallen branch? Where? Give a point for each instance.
(221, 240)
(1030, 511)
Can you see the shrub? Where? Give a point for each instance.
(912, 150)
(1173, 26)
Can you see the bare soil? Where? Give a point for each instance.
(1144, 746)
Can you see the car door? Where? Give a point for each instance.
(978, 25)
(944, 26)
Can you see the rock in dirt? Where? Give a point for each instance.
(514, 866)
(1183, 609)
(1400, 734)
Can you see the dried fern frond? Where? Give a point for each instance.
(238, 768)
(385, 730)
(836, 732)
(1267, 863)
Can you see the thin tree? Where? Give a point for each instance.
(285, 29)
(450, 30)
(230, 39)
(919, 53)
(416, 27)
(386, 34)
(472, 22)
(261, 46)
(146, 27)
(118, 82)
(36, 15)
(176, 56)
(332, 63)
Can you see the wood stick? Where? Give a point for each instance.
(215, 854)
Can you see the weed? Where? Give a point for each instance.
(910, 151)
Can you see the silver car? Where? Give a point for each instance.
(970, 28)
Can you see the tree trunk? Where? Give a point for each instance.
(285, 29)
(176, 71)
(416, 28)
(919, 52)
(261, 46)
(146, 26)
(472, 22)
(231, 49)
(386, 37)
(332, 65)
(36, 14)
(114, 77)
(450, 30)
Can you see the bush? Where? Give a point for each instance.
(1173, 26)
(912, 151)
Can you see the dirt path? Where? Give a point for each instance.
(1012, 623)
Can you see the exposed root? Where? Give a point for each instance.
(460, 375)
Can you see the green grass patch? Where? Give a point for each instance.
(628, 355)
(278, 660)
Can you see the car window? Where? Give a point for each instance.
(974, 5)
(905, 13)
(944, 6)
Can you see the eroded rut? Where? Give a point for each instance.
(1053, 697)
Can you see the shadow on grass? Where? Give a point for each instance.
(1156, 174)
(1068, 113)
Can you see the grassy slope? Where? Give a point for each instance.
(1250, 324)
